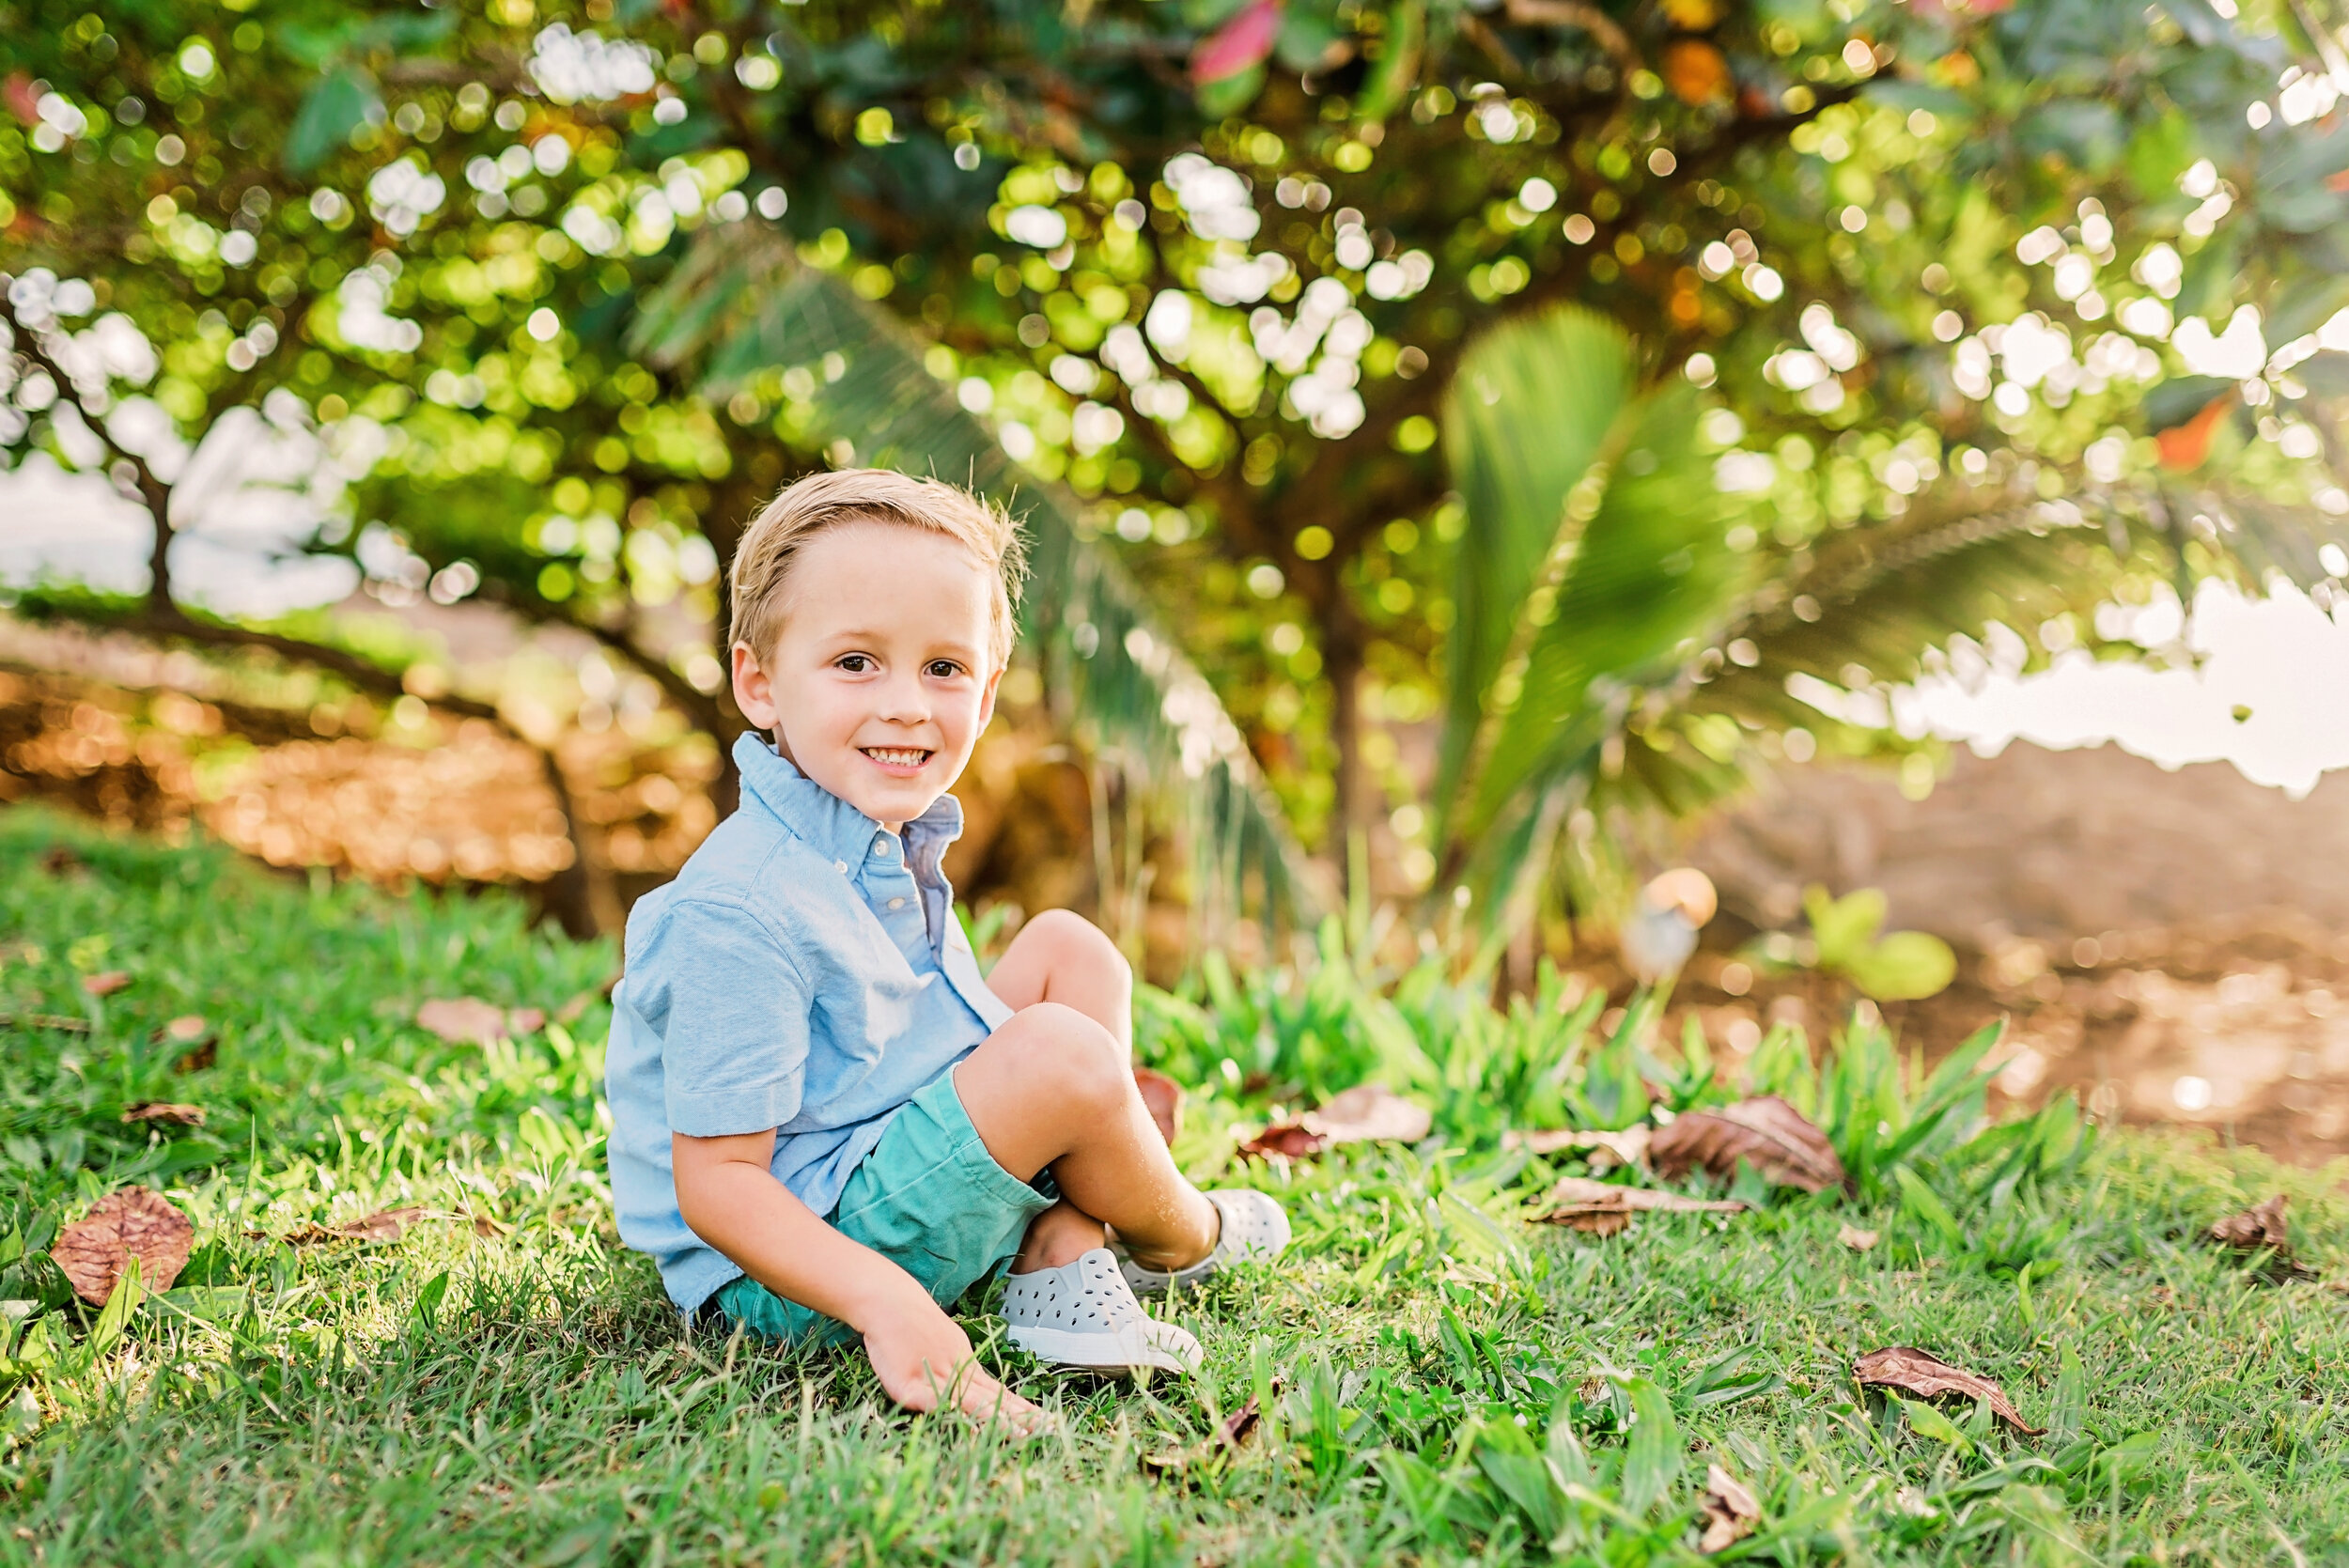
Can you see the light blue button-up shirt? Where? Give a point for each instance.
(805, 972)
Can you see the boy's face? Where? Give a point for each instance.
(881, 681)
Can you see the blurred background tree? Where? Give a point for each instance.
(1901, 326)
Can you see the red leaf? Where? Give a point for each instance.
(1239, 43)
(105, 983)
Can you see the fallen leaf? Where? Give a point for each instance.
(1285, 1140)
(1370, 1114)
(1731, 1511)
(105, 983)
(172, 1115)
(44, 1020)
(1598, 1222)
(1603, 1209)
(1366, 1113)
(470, 1019)
(1604, 1149)
(488, 1226)
(1231, 1435)
(130, 1223)
(1777, 1140)
(2258, 1227)
(383, 1225)
(1164, 1098)
(201, 1048)
(1909, 1368)
(1856, 1239)
(58, 858)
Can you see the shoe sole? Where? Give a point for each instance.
(1096, 1351)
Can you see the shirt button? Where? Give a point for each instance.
(897, 903)
(841, 866)
(880, 843)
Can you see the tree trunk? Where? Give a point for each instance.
(1342, 662)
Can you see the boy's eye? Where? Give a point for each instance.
(855, 664)
(944, 669)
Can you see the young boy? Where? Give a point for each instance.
(826, 1124)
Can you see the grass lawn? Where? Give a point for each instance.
(1440, 1381)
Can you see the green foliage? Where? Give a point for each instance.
(1437, 1383)
(1592, 566)
(1223, 308)
(1903, 966)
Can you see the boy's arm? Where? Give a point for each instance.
(730, 1196)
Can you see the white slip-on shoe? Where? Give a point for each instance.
(1254, 1226)
(1085, 1314)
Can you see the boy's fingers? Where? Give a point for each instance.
(986, 1399)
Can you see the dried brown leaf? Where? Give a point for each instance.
(1915, 1372)
(1366, 1113)
(1779, 1141)
(170, 1115)
(470, 1019)
(1731, 1511)
(383, 1225)
(130, 1223)
(1602, 1149)
(1856, 1239)
(1163, 1096)
(1240, 1425)
(106, 982)
(1599, 1222)
(2259, 1226)
(489, 1226)
(44, 1020)
(205, 1055)
(1231, 1436)
(59, 859)
(1370, 1114)
(1603, 1209)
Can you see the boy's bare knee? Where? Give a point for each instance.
(1077, 939)
(1073, 1058)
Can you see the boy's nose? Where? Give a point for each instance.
(903, 702)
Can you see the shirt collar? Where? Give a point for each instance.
(837, 830)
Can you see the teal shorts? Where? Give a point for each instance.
(930, 1199)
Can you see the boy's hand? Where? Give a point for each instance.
(924, 1358)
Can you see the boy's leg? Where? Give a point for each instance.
(1052, 1087)
(1062, 956)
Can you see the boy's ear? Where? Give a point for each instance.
(754, 690)
(986, 703)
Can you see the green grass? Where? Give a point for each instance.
(1445, 1382)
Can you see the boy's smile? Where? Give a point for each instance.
(881, 681)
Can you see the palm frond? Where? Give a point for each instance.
(743, 304)
(1594, 563)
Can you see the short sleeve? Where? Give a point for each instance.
(734, 1037)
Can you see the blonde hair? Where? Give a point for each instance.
(809, 507)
